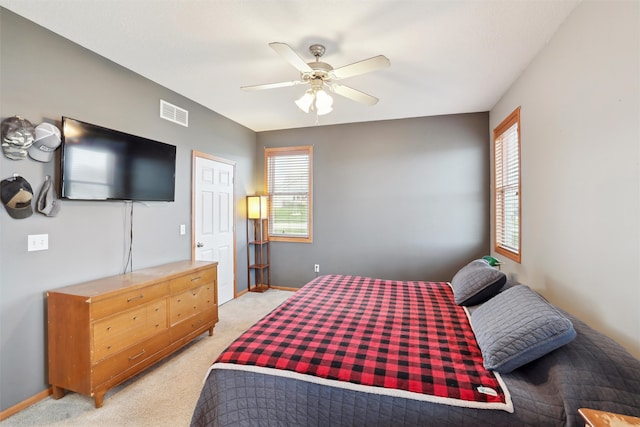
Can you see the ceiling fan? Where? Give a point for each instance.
(322, 77)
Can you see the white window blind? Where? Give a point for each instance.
(289, 182)
(507, 187)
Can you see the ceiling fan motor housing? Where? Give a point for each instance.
(320, 70)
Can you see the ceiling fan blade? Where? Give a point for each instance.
(289, 55)
(365, 66)
(272, 85)
(353, 94)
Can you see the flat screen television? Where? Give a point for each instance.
(97, 163)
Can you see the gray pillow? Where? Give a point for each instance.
(476, 282)
(518, 326)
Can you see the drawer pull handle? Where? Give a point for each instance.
(136, 356)
(135, 318)
(135, 298)
(196, 278)
(108, 328)
(199, 322)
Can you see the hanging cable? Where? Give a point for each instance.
(129, 259)
(131, 239)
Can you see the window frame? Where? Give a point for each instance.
(283, 151)
(500, 246)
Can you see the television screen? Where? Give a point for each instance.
(104, 164)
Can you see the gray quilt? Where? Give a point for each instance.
(592, 371)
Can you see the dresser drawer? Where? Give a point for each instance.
(192, 280)
(208, 296)
(119, 363)
(127, 300)
(194, 323)
(113, 334)
(190, 303)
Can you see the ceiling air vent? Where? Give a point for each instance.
(173, 113)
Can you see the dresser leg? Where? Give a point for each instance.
(58, 392)
(99, 398)
(211, 331)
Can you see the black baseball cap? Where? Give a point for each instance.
(16, 195)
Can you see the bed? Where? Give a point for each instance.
(349, 351)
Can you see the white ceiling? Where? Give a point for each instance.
(447, 57)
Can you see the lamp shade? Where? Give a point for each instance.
(257, 207)
(304, 103)
(323, 102)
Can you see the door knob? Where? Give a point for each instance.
(199, 244)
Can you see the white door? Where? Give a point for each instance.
(213, 219)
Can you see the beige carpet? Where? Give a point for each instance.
(165, 394)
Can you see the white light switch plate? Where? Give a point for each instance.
(183, 229)
(37, 242)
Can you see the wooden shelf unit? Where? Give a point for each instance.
(259, 266)
(103, 332)
(258, 246)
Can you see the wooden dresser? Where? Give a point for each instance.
(103, 332)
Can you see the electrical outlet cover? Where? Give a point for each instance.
(37, 242)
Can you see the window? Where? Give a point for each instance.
(507, 193)
(288, 178)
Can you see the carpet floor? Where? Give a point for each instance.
(165, 394)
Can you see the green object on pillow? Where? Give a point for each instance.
(476, 282)
(518, 326)
(493, 262)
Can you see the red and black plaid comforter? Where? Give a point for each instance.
(407, 338)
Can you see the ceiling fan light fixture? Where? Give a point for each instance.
(323, 102)
(323, 99)
(315, 100)
(305, 101)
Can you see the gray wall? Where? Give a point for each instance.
(580, 118)
(43, 77)
(401, 199)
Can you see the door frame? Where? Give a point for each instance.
(199, 154)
